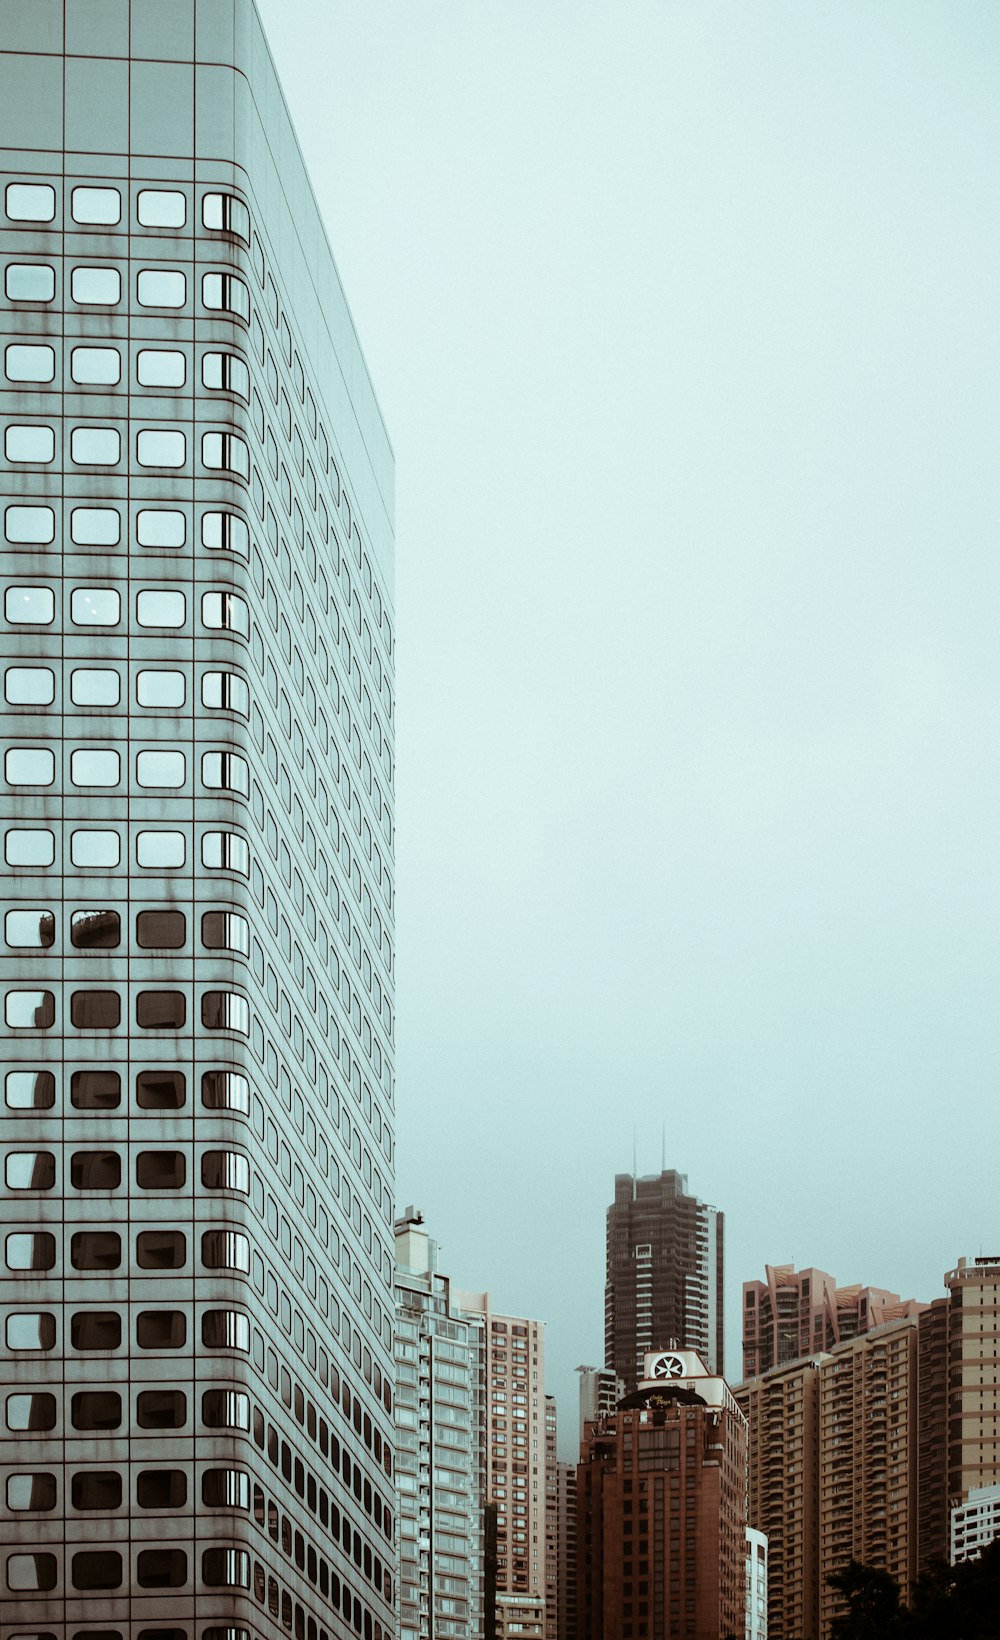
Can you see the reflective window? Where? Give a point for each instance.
(225, 1330)
(225, 1408)
(27, 441)
(226, 451)
(227, 373)
(226, 612)
(29, 606)
(96, 1330)
(95, 929)
(225, 931)
(95, 1170)
(224, 213)
(102, 206)
(225, 851)
(161, 1250)
(226, 1488)
(30, 1010)
(159, 608)
(225, 1250)
(160, 689)
(29, 282)
(95, 768)
(97, 850)
(225, 1090)
(29, 766)
(155, 447)
(33, 1411)
(35, 1491)
(226, 692)
(96, 1568)
(101, 286)
(225, 1170)
(161, 1329)
(161, 1409)
(31, 1330)
(31, 1250)
(30, 202)
(97, 1489)
(96, 1250)
(30, 1170)
(32, 1572)
(96, 447)
(30, 927)
(161, 929)
(160, 1010)
(225, 532)
(35, 526)
(94, 686)
(160, 850)
(161, 208)
(225, 293)
(225, 771)
(30, 362)
(95, 366)
(161, 367)
(160, 527)
(162, 287)
(161, 1489)
(29, 846)
(166, 769)
(226, 1568)
(29, 686)
(96, 1090)
(160, 1089)
(30, 1090)
(95, 606)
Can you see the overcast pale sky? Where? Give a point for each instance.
(684, 321)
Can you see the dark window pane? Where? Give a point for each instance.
(97, 1569)
(96, 1330)
(162, 1409)
(160, 1090)
(162, 1568)
(97, 1634)
(97, 1489)
(161, 1329)
(96, 1090)
(162, 930)
(160, 1169)
(95, 1170)
(225, 1090)
(96, 1250)
(161, 1489)
(163, 1634)
(95, 930)
(160, 1010)
(97, 1409)
(161, 1250)
(96, 1010)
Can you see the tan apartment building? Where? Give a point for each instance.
(551, 1521)
(782, 1412)
(974, 1364)
(793, 1313)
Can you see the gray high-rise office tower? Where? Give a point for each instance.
(197, 846)
(664, 1273)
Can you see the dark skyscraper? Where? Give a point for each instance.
(664, 1273)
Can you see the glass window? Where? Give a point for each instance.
(29, 766)
(166, 769)
(35, 1491)
(159, 608)
(224, 213)
(95, 606)
(225, 1250)
(94, 686)
(226, 692)
(29, 282)
(225, 1090)
(31, 1330)
(29, 686)
(227, 373)
(95, 366)
(95, 930)
(30, 362)
(32, 1572)
(161, 1250)
(161, 929)
(161, 1489)
(225, 1408)
(161, 1010)
(30, 1170)
(160, 1090)
(156, 447)
(96, 1568)
(225, 1170)
(161, 1568)
(160, 850)
(27, 441)
(226, 451)
(225, 1330)
(162, 287)
(162, 1409)
(35, 526)
(30, 202)
(225, 612)
(225, 851)
(225, 1488)
(161, 1329)
(95, 527)
(225, 931)
(226, 1568)
(226, 532)
(95, 768)
(96, 1090)
(97, 850)
(29, 846)
(161, 367)
(160, 527)
(95, 1170)
(30, 927)
(225, 771)
(161, 208)
(160, 689)
(101, 286)
(29, 606)
(97, 1489)
(161, 1170)
(102, 206)
(33, 1411)
(224, 293)
(30, 1010)
(96, 1250)
(96, 447)
(96, 1330)
(31, 1250)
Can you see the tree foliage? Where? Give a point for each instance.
(948, 1603)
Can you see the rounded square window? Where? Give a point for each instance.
(225, 612)
(99, 286)
(95, 850)
(160, 850)
(226, 451)
(96, 1409)
(35, 1491)
(29, 766)
(161, 1489)
(225, 293)
(225, 1090)
(225, 532)
(36, 1410)
(32, 526)
(161, 1568)
(165, 769)
(95, 366)
(95, 768)
(97, 1489)
(224, 213)
(161, 1170)
(161, 367)
(156, 447)
(161, 1250)
(161, 208)
(160, 1089)
(162, 287)
(95, 1330)
(96, 1568)
(30, 362)
(95, 1090)
(31, 928)
(95, 930)
(101, 207)
(37, 1572)
(163, 690)
(160, 608)
(31, 1330)
(95, 1010)
(95, 1170)
(30, 202)
(31, 1250)
(94, 686)
(29, 606)
(225, 931)
(225, 851)
(96, 1250)
(28, 441)
(29, 846)
(95, 606)
(160, 527)
(225, 1330)
(29, 282)
(160, 1010)
(95, 527)
(162, 929)
(161, 1409)
(30, 1170)
(29, 686)
(30, 1010)
(96, 447)
(226, 373)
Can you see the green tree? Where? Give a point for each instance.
(873, 1607)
